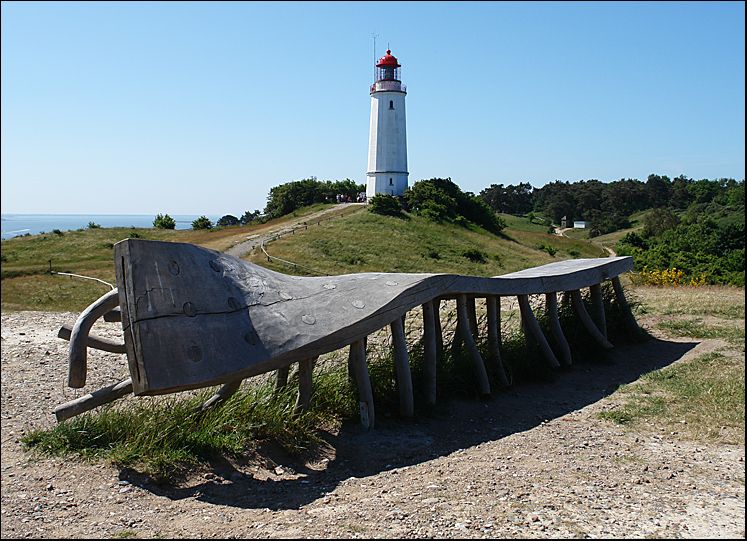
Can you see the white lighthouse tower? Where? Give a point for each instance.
(387, 142)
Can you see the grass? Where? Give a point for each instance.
(365, 242)
(703, 397)
(164, 436)
(27, 284)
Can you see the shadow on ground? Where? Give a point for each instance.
(396, 443)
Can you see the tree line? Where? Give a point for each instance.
(608, 206)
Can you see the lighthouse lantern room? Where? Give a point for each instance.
(387, 143)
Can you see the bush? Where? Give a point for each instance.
(92, 225)
(441, 200)
(386, 205)
(203, 222)
(474, 255)
(164, 222)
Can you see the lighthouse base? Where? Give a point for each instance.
(386, 183)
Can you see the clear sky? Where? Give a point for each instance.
(201, 108)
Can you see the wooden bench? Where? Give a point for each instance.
(194, 317)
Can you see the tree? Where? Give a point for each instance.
(657, 221)
(227, 220)
(249, 217)
(164, 222)
(203, 222)
(658, 189)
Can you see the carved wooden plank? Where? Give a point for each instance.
(597, 302)
(93, 400)
(430, 355)
(93, 341)
(402, 369)
(578, 304)
(357, 359)
(193, 317)
(78, 353)
(531, 322)
(469, 342)
(551, 300)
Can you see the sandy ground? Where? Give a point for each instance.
(534, 461)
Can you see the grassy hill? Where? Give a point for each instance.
(366, 242)
(359, 242)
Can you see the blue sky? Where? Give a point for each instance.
(201, 108)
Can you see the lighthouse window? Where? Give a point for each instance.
(390, 182)
(391, 104)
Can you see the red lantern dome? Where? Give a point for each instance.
(388, 61)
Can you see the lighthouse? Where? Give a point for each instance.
(387, 141)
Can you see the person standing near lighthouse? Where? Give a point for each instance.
(387, 142)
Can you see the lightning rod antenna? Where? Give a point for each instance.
(374, 53)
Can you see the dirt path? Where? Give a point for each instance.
(610, 251)
(242, 248)
(532, 462)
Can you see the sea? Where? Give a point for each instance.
(14, 225)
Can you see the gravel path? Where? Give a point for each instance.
(242, 248)
(531, 462)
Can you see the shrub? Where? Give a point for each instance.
(92, 225)
(57, 232)
(203, 222)
(386, 205)
(474, 255)
(164, 222)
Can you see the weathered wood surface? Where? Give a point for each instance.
(193, 317)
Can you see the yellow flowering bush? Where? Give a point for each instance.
(667, 277)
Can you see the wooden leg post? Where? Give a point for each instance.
(533, 327)
(439, 332)
(429, 352)
(223, 394)
(357, 361)
(472, 318)
(578, 304)
(402, 366)
(92, 400)
(528, 334)
(597, 302)
(494, 336)
(551, 300)
(78, 353)
(620, 295)
(281, 379)
(469, 342)
(305, 386)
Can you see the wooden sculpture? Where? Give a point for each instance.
(193, 317)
